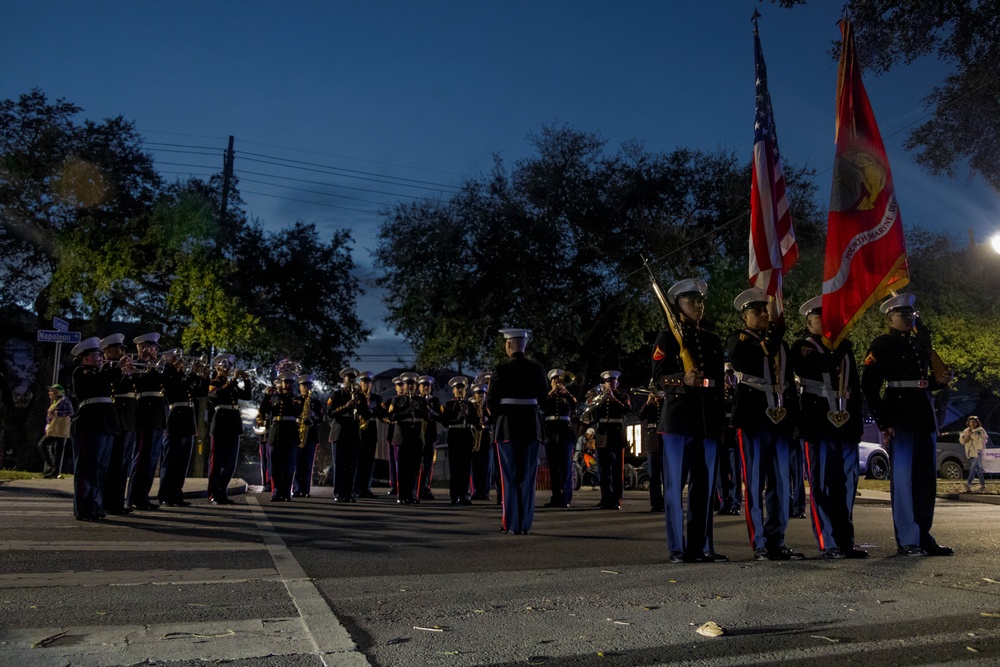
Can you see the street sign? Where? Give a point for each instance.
(60, 324)
(58, 336)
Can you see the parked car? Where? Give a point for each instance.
(873, 459)
(952, 463)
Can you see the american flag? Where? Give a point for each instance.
(772, 238)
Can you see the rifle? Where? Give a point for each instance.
(675, 327)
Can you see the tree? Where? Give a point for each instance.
(965, 127)
(556, 244)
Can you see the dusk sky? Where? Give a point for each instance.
(386, 101)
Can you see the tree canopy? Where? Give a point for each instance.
(964, 129)
(556, 244)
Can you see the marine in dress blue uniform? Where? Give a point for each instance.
(150, 423)
(183, 389)
(460, 419)
(280, 412)
(369, 437)
(560, 440)
(227, 388)
(94, 425)
(408, 413)
(118, 369)
(831, 426)
(765, 412)
(900, 361)
(483, 451)
(649, 415)
(435, 412)
(608, 415)
(305, 452)
(398, 388)
(691, 422)
(516, 391)
(346, 407)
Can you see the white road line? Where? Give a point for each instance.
(32, 545)
(135, 577)
(330, 641)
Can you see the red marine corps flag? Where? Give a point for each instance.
(865, 250)
(773, 250)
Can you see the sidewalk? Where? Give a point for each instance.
(194, 487)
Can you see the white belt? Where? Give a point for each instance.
(409, 420)
(285, 419)
(610, 421)
(186, 404)
(92, 401)
(459, 425)
(907, 384)
(817, 388)
(225, 407)
(130, 394)
(151, 394)
(518, 401)
(564, 418)
(757, 383)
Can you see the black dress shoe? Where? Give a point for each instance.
(854, 552)
(298, 494)
(143, 507)
(676, 557)
(364, 494)
(655, 510)
(175, 503)
(938, 550)
(799, 515)
(760, 554)
(911, 550)
(832, 554)
(710, 557)
(784, 553)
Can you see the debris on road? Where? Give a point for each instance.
(710, 629)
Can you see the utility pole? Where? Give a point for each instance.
(227, 174)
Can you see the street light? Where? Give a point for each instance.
(995, 242)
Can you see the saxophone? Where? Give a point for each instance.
(303, 427)
(477, 431)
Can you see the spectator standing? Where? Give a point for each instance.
(57, 427)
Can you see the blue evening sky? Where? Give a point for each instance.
(388, 100)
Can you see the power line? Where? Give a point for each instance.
(315, 192)
(332, 185)
(311, 203)
(312, 166)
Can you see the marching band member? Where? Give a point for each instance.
(426, 387)
(609, 414)
(460, 417)
(182, 389)
(305, 453)
(559, 438)
(690, 422)
(765, 414)
(397, 383)
(831, 426)
(94, 425)
(482, 458)
(225, 391)
(649, 414)
(516, 391)
(280, 411)
(902, 361)
(369, 437)
(150, 422)
(118, 368)
(408, 412)
(346, 407)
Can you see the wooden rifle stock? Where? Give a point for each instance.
(675, 327)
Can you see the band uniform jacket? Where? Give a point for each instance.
(377, 410)
(518, 378)
(95, 412)
(753, 357)
(690, 411)
(312, 421)
(814, 364)
(224, 395)
(460, 418)
(347, 414)
(900, 356)
(182, 393)
(150, 407)
(408, 415)
(123, 394)
(282, 412)
(617, 406)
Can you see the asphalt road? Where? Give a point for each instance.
(313, 583)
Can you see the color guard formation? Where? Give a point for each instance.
(752, 394)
